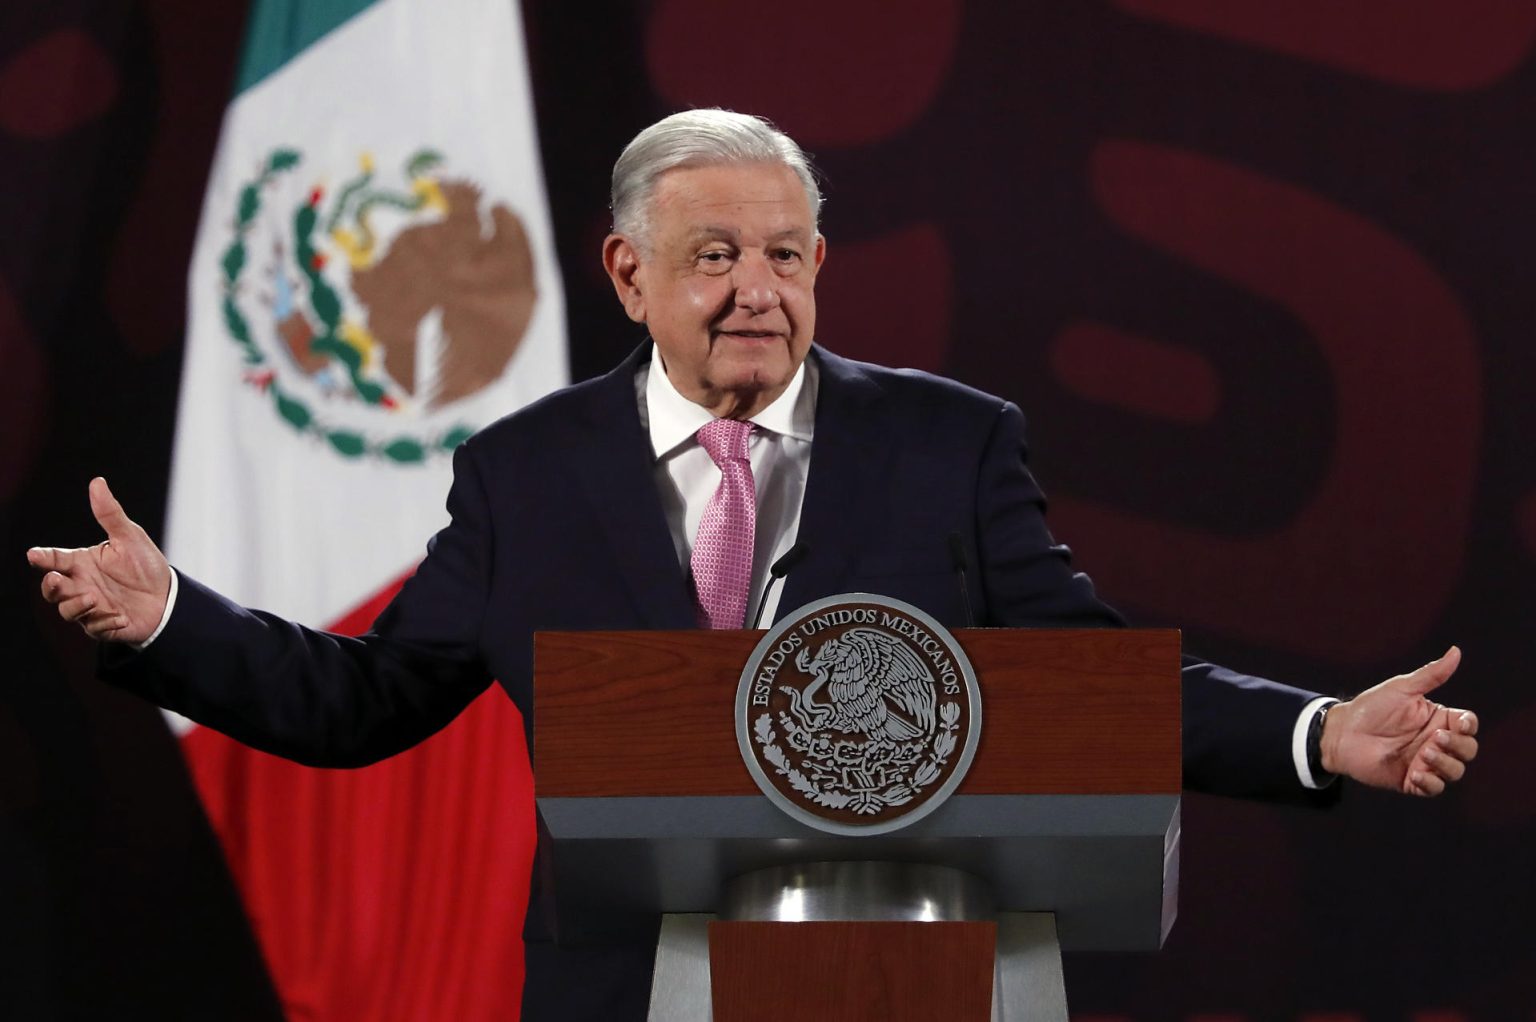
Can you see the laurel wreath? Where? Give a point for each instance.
(325, 305)
(924, 774)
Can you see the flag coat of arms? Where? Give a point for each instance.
(374, 279)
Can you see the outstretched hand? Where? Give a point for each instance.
(1395, 736)
(115, 590)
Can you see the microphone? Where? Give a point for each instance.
(962, 565)
(793, 556)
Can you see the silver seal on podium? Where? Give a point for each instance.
(858, 714)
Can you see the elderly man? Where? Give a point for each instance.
(658, 495)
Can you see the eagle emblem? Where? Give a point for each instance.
(367, 311)
(858, 714)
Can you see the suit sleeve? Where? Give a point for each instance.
(1026, 576)
(1237, 728)
(324, 699)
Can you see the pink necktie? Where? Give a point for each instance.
(722, 551)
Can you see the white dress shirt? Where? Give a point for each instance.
(686, 476)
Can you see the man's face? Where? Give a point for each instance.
(726, 285)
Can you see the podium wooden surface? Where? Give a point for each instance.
(852, 972)
(1065, 711)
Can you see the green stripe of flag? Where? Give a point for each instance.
(280, 30)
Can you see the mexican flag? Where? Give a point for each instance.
(374, 279)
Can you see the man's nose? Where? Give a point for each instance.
(757, 285)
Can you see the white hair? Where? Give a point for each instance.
(699, 138)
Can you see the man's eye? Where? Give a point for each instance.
(786, 255)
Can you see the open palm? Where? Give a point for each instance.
(1395, 736)
(115, 590)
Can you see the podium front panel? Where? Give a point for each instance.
(1105, 864)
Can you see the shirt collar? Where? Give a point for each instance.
(672, 419)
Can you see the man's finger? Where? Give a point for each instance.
(51, 558)
(109, 513)
(57, 588)
(1442, 763)
(77, 607)
(1422, 782)
(1432, 675)
(1463, 721)
(105, 626)
(1462, 747)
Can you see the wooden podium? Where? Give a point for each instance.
(1065, 829)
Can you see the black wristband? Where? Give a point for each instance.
(1320, 777)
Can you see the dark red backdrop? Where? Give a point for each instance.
(1256, 272)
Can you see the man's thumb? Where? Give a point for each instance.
(1433, 674)
(109, 513)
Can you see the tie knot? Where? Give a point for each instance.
(725, 440)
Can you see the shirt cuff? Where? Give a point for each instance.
(170, 605)
(1299, 743)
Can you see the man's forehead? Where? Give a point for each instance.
(721, 194)
(729, 232)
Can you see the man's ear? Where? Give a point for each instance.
(622, 261)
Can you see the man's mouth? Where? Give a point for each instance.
(750, 335)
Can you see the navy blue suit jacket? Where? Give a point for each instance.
(556, 524)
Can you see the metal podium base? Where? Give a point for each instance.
(1028, 985)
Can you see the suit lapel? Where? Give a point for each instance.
(842, 490)
(618, 477)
